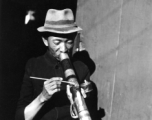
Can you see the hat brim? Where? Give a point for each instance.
(66, 30)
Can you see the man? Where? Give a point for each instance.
(50, 99)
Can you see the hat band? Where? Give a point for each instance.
(60, 29)
(60, 22)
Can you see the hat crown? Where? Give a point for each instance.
(59, 18)
(59, 15)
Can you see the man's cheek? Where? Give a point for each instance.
(55, 48)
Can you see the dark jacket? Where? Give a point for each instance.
(47, 66)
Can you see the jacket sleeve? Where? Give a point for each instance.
(26, 93)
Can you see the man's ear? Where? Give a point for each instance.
(45, 41)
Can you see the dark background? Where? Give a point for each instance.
(18, 43)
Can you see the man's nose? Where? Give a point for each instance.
(63, 47)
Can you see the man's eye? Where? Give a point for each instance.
(70, 41)
(56, 42)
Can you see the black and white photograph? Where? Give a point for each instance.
(75, 59)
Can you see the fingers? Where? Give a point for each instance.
(57, 79)
(51, 86)
(53, 83)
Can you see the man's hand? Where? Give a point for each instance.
(73, 110)
(69, 94)
(50, 87)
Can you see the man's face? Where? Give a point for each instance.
(57, 45)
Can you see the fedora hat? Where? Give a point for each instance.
(59, 21)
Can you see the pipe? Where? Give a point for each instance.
(79, 102)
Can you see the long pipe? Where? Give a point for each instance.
(79, 102)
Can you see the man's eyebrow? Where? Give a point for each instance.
(60, 38)
(57, 39)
